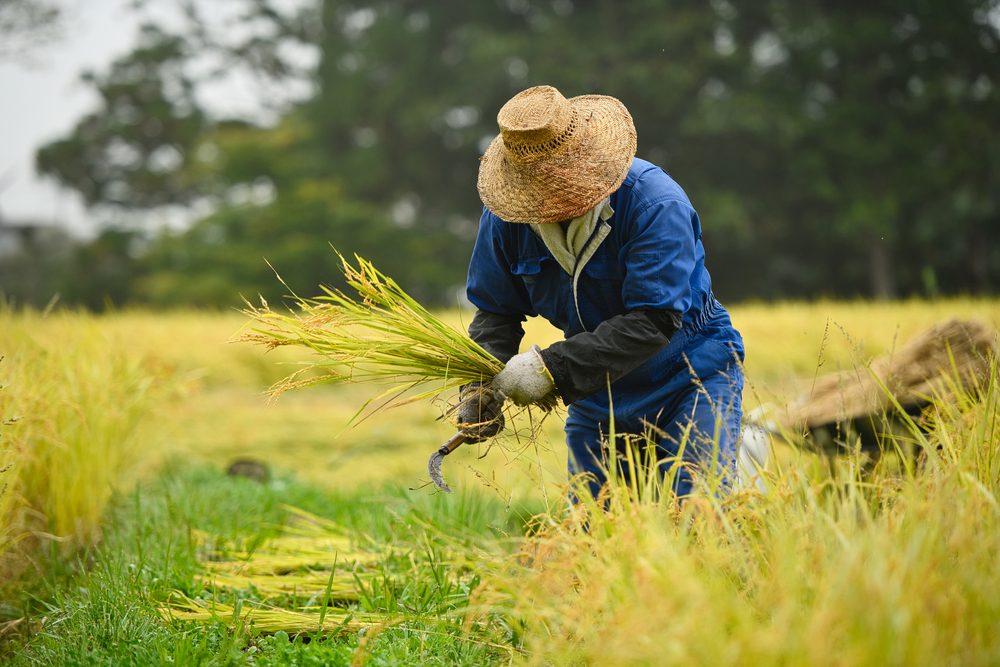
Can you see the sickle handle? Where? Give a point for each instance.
(453, 443)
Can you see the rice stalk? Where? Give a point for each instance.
(309, 580)
(321, 548)
(311, 543)
(268, 619)
(264, 562)
(310, 584)
(383, 336)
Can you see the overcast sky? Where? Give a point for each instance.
(43, 99)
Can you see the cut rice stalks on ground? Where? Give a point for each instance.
(312, 555)
(343, 587)
(310, 543)
(309, 578)
(329, 621)
(383, 336)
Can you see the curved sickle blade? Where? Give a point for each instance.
(437, 458)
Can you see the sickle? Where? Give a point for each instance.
(434, 463)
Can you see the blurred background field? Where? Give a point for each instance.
(306, 431)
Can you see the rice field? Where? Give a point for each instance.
(122, 540)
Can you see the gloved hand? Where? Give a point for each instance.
(480, 413)
(525, 379)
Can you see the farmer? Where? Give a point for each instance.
(607, 247)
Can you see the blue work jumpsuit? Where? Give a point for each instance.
(651, 258)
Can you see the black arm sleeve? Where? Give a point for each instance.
(582, 364)
(500, 335)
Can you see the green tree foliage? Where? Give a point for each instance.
(822, 142)
(32, 264)
(135, 150)
(887, 115)
(831, 149)
(287, 218)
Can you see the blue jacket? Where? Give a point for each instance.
(653, 258)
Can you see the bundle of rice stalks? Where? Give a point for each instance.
(314, 562)
(282, 558)
(383, 336)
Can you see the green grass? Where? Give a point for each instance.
(102, 608)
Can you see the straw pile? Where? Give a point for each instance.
(948, 357)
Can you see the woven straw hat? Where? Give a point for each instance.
(554, 158)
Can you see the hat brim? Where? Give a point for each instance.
(568, 181)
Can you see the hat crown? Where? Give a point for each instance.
(536, 122)
(555, 158)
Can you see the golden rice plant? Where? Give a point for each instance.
(841, 564)
(75, 404)
(10, 529)
(383, 335)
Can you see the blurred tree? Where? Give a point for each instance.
(136, 150)
(32, 259)
(101, 273)
(25, 25)
(887, 114)
(289, 214)
(405, 90)
(144, 146)
(408, 95)
(831, 149)
(268, 43)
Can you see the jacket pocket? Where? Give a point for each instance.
(528, 269)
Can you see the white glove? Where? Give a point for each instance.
(525, 379)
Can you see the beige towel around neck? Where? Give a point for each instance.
(567, 243)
